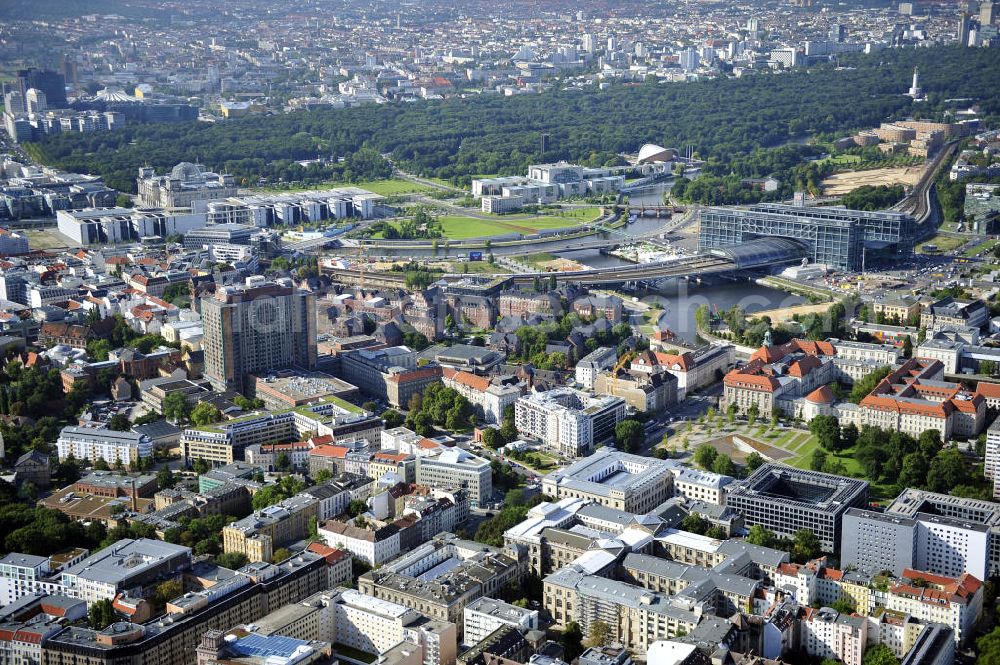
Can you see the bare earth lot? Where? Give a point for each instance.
(842, 183)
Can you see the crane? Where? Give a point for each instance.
(624, 360)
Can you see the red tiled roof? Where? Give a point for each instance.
(330, 451)
(988, 390)
(331, 554)
(479, 383)
(822, 395)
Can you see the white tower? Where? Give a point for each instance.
(915, 90)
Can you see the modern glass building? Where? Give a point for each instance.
(840, 238)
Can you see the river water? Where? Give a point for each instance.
(680, 299)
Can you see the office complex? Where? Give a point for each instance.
(261, 533)
(226, 442)
(784, 500)
(105, 226)
(840, 238)
(125, 566)
(570, 421)
(457, 468)
(52, 85)
(234, 599)
(92, 443)
(544, 183)
(956, 602)
(441, 577)
(873, 542)
(488, 397)
(631, 483)
(967, 515)
(637, 616)
(220, 234)
(376, 626)
(291, 208)
(392, 374)
(288, 388)
(257, 328)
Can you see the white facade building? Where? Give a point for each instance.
(485, 615)
(570, 421)
(90, 443)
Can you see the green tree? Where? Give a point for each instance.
(323, 475)
(176, 408)
(704, 456)
(232, 560)
(392, 418)
(101, 614)
(881, 654)
(165, 478)
(694, 523)
(119, 423)
(818, 460)
(867, 383)
(281, 554)
(845, 605)
(167, 591)
(754, 461)
(492, 438)
(356, 507)
(758, 535)
(826, 429)
(914, 472)
(205, 413)
(946, 471)
(753, 413)
(572, 641)
(629, 435)
(849, 435)
(599, 634)
(200, 466)
(723, 466)
(805, 545)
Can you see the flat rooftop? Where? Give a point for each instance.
(809, 489)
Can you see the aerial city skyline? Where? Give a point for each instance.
(524, 333)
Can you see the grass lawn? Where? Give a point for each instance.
(538, 258)
(981, 247)
(46, 239)
(841, 160)
(548, 463)
(478, 268)
(458, 227)
(945, 244)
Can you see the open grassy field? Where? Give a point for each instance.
(47, 239)
(459, 227)
(841, 160)
(982, 247)
(945, 244)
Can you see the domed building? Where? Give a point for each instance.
(185, 184)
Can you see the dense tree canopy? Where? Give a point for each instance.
(456, 138)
